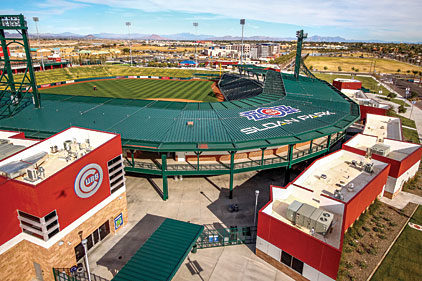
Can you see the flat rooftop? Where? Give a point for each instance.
(336, 172)
(383, 127)
(282, 198)
(13, 142)
(398, 150)
(52, 155)
(345, 80)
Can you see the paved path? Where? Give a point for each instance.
(402, 199)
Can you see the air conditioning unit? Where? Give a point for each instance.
(380, 149)
(31, 175)
(292, 210)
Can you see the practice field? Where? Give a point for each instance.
(139, 89)
(361, 64)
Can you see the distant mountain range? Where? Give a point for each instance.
(191, 37)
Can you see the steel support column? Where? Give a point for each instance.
(287, 171)
(231, 173)
(262, 155)
(328, 143)
(164, 174)
(132, 152)
(310, 146)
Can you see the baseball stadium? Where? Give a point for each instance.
(207, 124)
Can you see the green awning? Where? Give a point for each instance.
(163, 253)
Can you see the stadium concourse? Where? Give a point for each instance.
(291, 120)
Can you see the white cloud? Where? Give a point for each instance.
(373, 15)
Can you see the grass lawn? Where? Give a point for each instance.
(367, 82)
(410, 135)
(404, 261)
(404, 121)
(139, 89)
(70, 73)
(362, 64)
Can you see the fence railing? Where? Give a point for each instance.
(219, 237)
(74, 274)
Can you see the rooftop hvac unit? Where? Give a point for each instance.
(31, 175)
(315, 219)
(292, 210)
(338, 195)
(380, 149)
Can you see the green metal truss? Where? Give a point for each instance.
(15, 94)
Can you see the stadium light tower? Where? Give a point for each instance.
(242, 23)
(195, 25)
(36, 20)
(128, 24)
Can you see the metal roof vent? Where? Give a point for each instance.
(380, 149)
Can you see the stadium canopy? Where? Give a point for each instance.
(163, 253)
(287, 111)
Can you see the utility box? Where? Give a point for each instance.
(292, 210)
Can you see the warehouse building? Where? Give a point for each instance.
(55, 193)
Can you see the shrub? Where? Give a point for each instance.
(360, 251)
(348, 265)
(348, 250)
(375, 229)
(380, 236)
(366, 228)
(361, 264)
(392, 223)
(402, 109)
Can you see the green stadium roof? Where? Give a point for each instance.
(162, 254)
(218, 126)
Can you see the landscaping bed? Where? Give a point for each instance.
(369, 238)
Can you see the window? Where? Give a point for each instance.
(297, 265)
(43, 228)
(92, 239)
(286, 258)
(292, 262)
(116, 173)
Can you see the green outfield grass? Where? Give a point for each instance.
(70, 73)
(139, 89)
(403, 262)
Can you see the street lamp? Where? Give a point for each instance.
(84, 244)
(242, 23)
(36, 20)
(128, 24)
(195, 25)
(256, 204)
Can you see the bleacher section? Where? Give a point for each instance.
(236, 87)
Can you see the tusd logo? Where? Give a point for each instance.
(269, 112)
(88, 180)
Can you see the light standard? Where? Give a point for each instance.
(195, 24)
(84, 244)
(36, 20)
(128, 24)
(256, 204)
(242, 23)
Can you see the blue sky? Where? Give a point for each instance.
(389, 20)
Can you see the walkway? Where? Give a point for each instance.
(402, 199)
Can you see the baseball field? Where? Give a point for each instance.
(139, 89)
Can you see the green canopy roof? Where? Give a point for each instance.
(288, 110)
(162, 254)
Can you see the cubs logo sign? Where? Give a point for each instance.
(269, 112)
(88, 180)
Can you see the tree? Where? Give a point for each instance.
(353, 68)
(391, 95)
(325, 68)
(311, 67)
(402, 109)
(339, 68)
(357, 69)
(126, 50)
(414, 73)
(398, 70)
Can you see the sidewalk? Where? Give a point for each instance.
(402, 199)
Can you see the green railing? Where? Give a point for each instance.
(67, 274)
(220, 237)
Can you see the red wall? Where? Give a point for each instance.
(55, 193)
(372, 110)
(302, 246)
(347, 85)
(355, 207)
